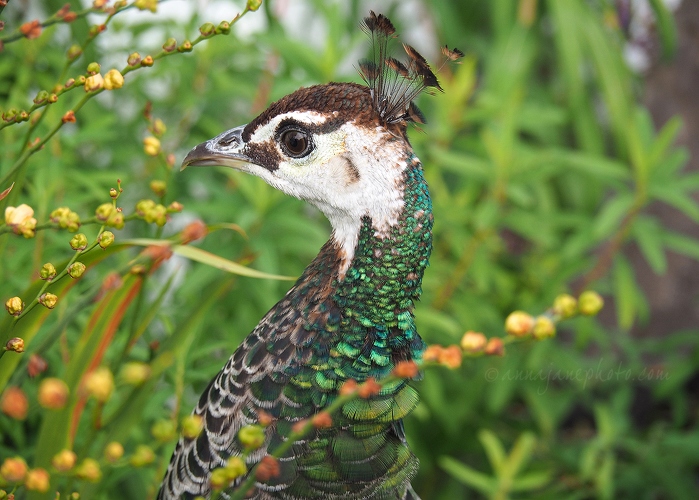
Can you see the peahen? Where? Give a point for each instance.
(342, 147)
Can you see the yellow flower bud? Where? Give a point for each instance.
(106, 239)
(94, 82)
(113, 79)
(104, 211)
(37, 480)
(158, 187)
(116, 220)
(544, 328)
(519, 324)
(164, 430)
(99, 384)
(21, 220)
(192, 426)
(251, 437)
(113, 193)
(253, 5)
(219, 479)
(53, 393)
(565, 306)
(142, 456)
(15, 344)
(89, 470)
(48, 272)
(151, 5)
(76, 270)
(64, 460)
(134, 59)
(113, 452)
(473, 342)
(151, 146)
(48, 300)
(235, 467)
(78, 242)
(135, 372)
(93, 68)
(590, 303)
(13, 469)
(14, 306)
(159, 127)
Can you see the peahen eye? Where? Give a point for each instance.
(296, 143)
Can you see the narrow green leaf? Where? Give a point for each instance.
(532, 480)
(493, 448)
(648, 236)
(468, 476)
(625, 290)
(519, 456)
(199, 255)
(611, 215)
(666, 27)
(683, 244)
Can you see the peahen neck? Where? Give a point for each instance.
(361, 320)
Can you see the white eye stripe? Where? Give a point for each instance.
(268, 130)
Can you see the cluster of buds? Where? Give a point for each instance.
(521, 324)
(449, 356)
(370, 387)
(151, 5)
(65, 14)
(151, 146)
(109, 214)
(152, 212)
(21, 220)
(31, 29)
(66, 219)
(14, 115)
(43, 97)
(267, 468)
(222, 477)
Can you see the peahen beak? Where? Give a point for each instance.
(225, 150)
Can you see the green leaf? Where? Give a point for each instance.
(625, 292)
(493, 448)
(199, 255)
(611, 215)
(650, 242)
(683, 244)
(666, 27)
(468, 476)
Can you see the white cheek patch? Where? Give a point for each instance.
(266, 132)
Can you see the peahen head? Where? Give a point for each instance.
(342, 147)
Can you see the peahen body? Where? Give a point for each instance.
(342, 147)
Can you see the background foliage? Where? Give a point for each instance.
(541, 164)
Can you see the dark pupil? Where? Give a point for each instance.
(295, 141)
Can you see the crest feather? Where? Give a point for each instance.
(393, 84)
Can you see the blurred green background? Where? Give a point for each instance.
(548, 174)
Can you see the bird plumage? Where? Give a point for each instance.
(342, 147)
